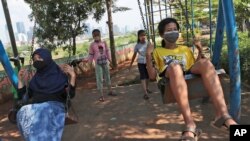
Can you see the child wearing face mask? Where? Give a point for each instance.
(140, 49)
(173, 61)
(99, 53)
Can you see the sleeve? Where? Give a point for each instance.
(21, 92)
(72, 91)
(136, 49)
(155, 59)
(107, 51)
(91, 53)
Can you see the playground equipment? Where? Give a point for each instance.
(156, 10)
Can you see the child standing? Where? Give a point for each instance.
(99, 52)
(140, 48)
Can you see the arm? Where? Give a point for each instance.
(72, 79)
(107, 51)
(150, 67)
(91, 55)
(21, 88)
(136, 50)
(198, 45)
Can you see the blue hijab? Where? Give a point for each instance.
(51, 78)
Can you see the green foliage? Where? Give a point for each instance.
(61, 21)
(244, 47)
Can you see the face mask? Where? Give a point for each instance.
(39, 65)
(171, 36)
(143, 39)
(97, 38)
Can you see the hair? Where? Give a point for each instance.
(163, 23)
(138, 35)
(96, 30)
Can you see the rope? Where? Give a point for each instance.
(143, 20)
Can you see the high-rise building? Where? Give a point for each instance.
(30, 34)
(116, 29)
(20, 27)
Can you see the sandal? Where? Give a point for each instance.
(195, 131)
(112, 94)
(101, 99)
(146, 97)
(220, 123)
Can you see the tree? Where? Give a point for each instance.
(242, 10)
(110, 4)
(60, 22)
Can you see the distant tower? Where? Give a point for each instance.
(20, 27)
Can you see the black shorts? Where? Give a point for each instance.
(143, 71)
(184, 72)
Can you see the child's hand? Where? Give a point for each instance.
(21, 73)
(69, 70)
(197, 43)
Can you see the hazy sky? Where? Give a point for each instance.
(19, 12)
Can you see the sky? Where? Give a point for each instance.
(19, 12)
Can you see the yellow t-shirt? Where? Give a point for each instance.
(181, 55)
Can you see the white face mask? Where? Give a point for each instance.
(171, 36)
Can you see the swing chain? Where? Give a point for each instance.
(143, 20)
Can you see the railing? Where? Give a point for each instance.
(122, 53)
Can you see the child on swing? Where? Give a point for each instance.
(173, 61)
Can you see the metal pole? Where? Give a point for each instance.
(187, 26)
(218, 37)
(153, 26)
(10, 29)
(166, 8)
(210, 26)
(147, 18)
(192, 10)
(160, 8)
(234, 61)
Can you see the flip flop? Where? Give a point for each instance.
(101, 99)
(197, 132)
(220, 123)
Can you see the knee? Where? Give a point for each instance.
(206, 64)
(174, 70)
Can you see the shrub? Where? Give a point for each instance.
(244, 48)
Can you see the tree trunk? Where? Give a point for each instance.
(111, 33)
(74, 45)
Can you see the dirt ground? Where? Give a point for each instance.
(127, 117)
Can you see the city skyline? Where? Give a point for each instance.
(130, 19)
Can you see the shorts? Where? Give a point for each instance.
(143, 71)
(162, 74)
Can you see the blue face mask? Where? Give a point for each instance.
(171, 36)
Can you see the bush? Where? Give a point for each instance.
(244, 48)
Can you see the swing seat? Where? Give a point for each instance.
(195, 86)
